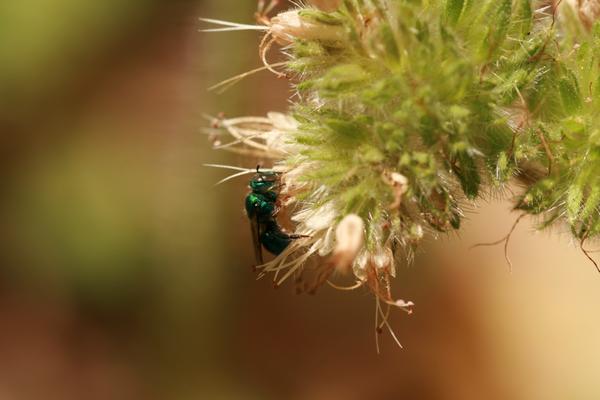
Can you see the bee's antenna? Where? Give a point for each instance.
(230, 177)
(257, 168)
(227, 167)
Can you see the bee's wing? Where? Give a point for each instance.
(255, 227)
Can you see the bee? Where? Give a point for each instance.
(262, 208)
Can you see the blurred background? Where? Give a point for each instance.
(125, 274)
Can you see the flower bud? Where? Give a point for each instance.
(400, 184)
(349, 237)
(289, 25)
(383, 259)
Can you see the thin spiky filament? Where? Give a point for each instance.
(256, 136)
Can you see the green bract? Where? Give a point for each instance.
(436, 91)
(458, 96)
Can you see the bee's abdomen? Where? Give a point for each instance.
(274, 239)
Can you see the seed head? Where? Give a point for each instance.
(400, 185)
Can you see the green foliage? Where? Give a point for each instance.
(457, 96)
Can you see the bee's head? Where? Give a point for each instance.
(264, 180)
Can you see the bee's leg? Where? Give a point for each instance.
(294, 236)
(281, 201)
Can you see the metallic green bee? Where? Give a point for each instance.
(262, 209)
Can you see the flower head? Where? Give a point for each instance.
(406, 112)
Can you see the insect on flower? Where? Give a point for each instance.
(262, 208)
(330, 240)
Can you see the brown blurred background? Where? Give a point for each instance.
(125, 274)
